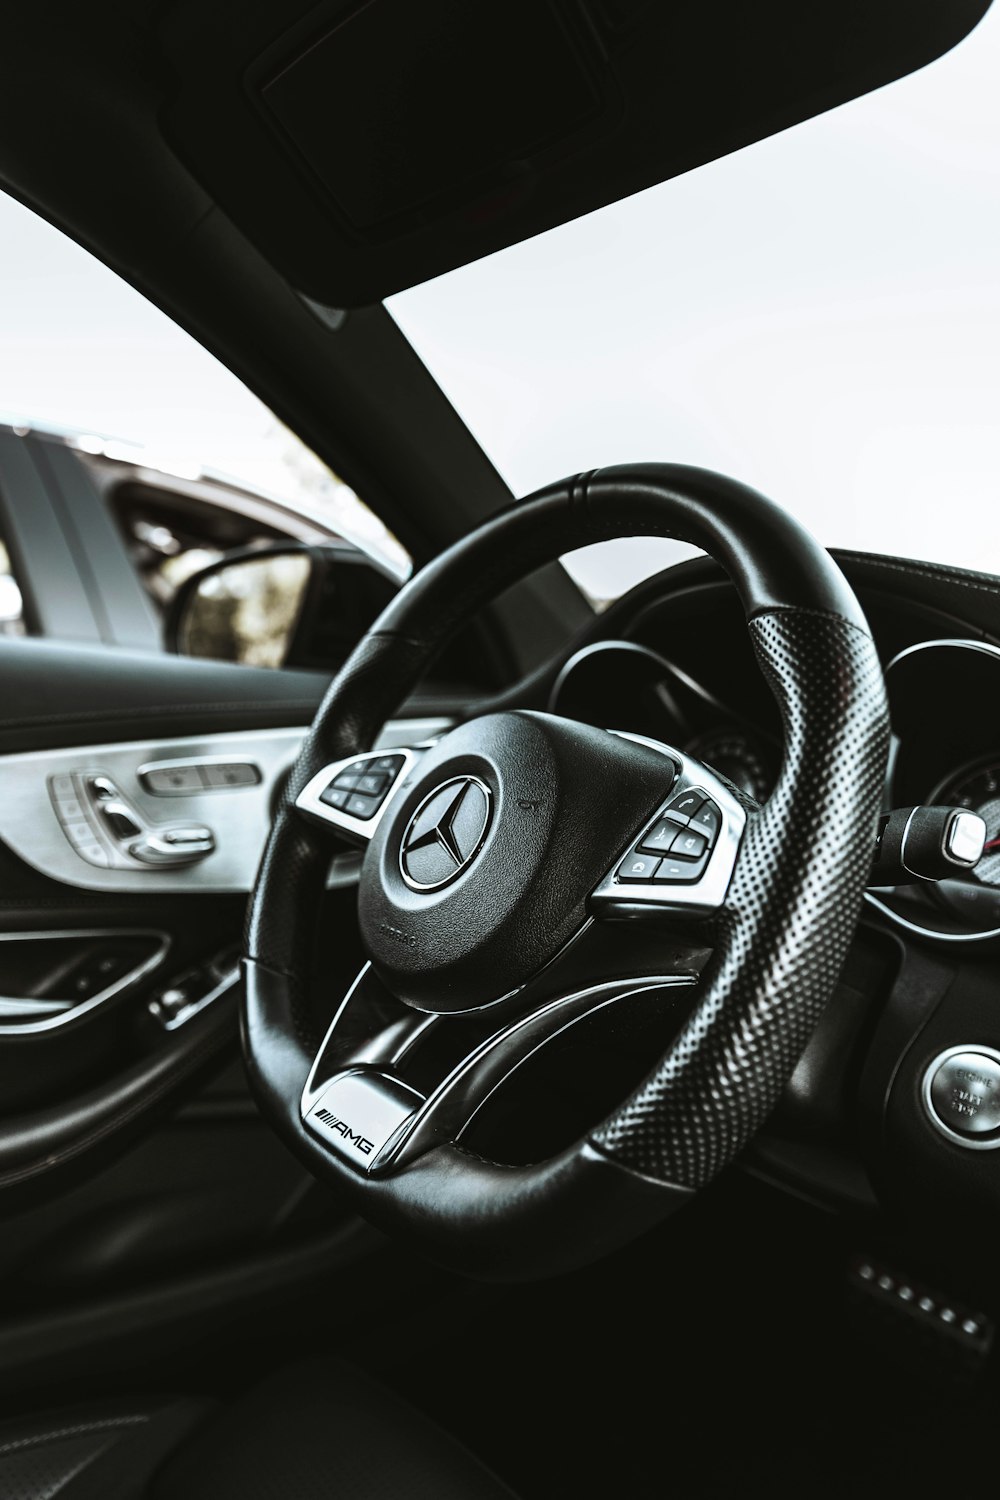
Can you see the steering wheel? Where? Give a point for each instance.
(526, 871)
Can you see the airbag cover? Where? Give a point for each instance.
(542, 808)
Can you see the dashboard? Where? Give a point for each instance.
(860, 1128)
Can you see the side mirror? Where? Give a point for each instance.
(290, 605)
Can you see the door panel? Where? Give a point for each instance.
(97, 816)
(59, 693)
(130, 1151)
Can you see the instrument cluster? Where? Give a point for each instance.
(621, 684)
(944, 699)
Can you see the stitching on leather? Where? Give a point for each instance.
(79, 1429)
(960, 577)
(487, 1161)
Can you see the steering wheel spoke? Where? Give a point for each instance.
(353, 795)
(389, 1084)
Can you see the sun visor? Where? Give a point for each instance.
(367, 147)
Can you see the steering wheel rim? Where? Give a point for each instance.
(779, 939)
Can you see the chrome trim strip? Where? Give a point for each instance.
(933, 933)
(902, 852)
(986, 647)
(69, 1011)
(312, 1090)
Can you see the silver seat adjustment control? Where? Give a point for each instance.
(106, 827)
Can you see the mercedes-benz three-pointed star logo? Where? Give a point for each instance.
(445, 833)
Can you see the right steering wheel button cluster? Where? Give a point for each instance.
(675, 849)
(683, 859)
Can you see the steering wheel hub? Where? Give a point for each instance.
(481, 872)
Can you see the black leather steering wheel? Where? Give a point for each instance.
(499, 864)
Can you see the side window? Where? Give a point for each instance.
(185, 462)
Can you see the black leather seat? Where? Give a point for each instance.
(318, 1431)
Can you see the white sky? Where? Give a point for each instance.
(81, 349)
(818, 315)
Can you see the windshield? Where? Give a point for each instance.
(817, 315)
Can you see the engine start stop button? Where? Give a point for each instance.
(962, 1096)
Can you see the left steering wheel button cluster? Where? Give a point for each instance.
(360, 788)
(354, 794)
